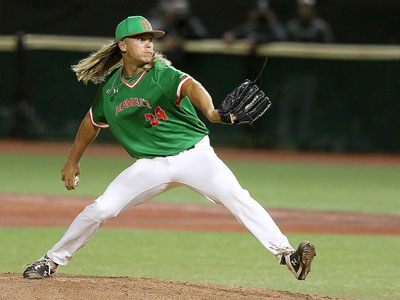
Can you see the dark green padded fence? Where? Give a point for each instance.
(329, 105)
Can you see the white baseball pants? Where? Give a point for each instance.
(199, 169)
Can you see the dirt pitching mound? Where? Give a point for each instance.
(63, 286)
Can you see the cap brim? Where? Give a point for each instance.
(156, 33)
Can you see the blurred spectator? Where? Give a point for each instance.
(307, 27)
(300, 84)
(262, 26)
(156, 13)
(175, 18)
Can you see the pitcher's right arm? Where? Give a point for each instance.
(87, 133)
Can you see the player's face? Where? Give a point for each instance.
(137, 50)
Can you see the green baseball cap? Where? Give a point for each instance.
(135, 25)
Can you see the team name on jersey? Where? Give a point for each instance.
(130, 103)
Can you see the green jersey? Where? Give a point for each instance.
(146, 112)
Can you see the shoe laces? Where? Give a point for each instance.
(284, 251)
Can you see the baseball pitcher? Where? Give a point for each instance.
(149, 107)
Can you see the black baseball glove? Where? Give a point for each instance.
(247, 102)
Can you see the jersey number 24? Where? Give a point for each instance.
(159, 114)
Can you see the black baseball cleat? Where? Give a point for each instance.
(42, 268)
(299, 262)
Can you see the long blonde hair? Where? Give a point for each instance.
(98, 65)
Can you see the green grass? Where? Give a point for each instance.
(362, 267)
(356, 188)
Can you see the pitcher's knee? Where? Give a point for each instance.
(100, 213)
(236, 197)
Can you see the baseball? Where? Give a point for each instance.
(76, 181)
